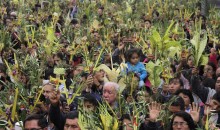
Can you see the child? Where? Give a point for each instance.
(134, 65)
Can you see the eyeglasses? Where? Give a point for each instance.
(175, 124)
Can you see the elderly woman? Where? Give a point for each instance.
(110, 93)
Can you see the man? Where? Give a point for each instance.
(47, 89)
(67, 121)
(94, 84)
(110, 93)
(71, 122)
(213, 110)
(35, 122)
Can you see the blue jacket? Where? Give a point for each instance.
(139, 69)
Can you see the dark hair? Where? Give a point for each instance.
(185, 92)
(147, 20)
(212, 65)
(216, 97)
(91, 99)
(156, 12)
(173, 68)
(176, 78)
(178, 101)
(74, 21)
(124, 116)
(63, 99)
(71, 115)
(131, 52)
(101, 7)
(186, 117)
(42, 121)
(59, 55)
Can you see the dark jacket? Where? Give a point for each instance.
(204, 93)
(151, 126)
(57, 117)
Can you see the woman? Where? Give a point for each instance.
(182, 121)
(209, 75)
(187, 97)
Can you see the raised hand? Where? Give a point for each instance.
(194, 111)
(54, 97)
(154, 111)
(89, 81)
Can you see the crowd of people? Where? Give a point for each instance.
(109, 65)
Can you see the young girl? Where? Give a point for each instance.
(134, 65)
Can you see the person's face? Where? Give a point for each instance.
(147, 24)
(109, 94)
(180, 124)
(134, 59)
(217, 85)
(71, 124)
(174, 109)
(213, 51)
(64, 107)
(191, 24)
(143, 96)
(174, 86)
(215, 105)
(217, 72)
(10, 26)
(208, 71)
(57, 60)
(32, 124)
(127, 124)
(50, 61)
(129, 99)
(89, 106)
(190, 62)
(165, 88)
(47, 89)
(185, 98)
(23, 48)
(78, 70)
(99, 75)
(100, 12)
(96, 36)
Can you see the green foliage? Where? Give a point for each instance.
(161, 44)
(154, 69)
(199, 42)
